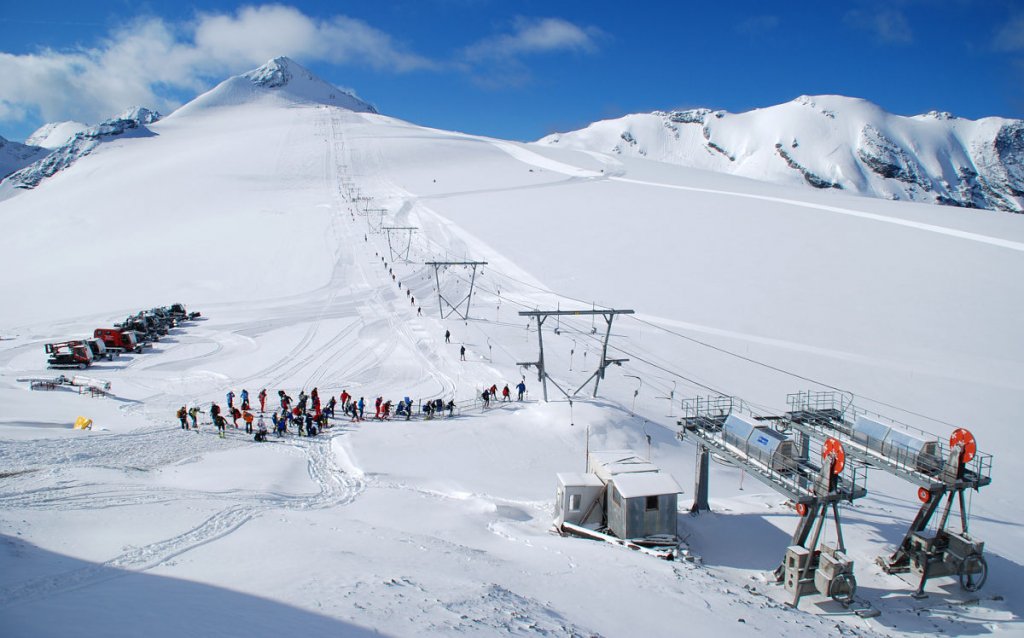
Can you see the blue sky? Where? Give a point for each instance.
(517, 69)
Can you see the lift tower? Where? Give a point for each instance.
(543, 376)
(400, 253)
(441, 300)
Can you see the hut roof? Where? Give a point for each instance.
(645, 484)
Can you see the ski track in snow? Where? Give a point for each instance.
(941, 230)
(534, 159)
(359, 292)
(143, 451)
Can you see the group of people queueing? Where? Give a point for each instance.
(491, 393)
(306, 414)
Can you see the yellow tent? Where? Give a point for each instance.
(82, 423)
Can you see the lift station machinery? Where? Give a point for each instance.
(722, 426)
(940, 472)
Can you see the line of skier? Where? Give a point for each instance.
(308, 414)
(491, 393)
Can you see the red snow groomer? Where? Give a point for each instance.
(69, 354)
(118, 339)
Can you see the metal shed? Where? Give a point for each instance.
(641, 501)
(579, 500)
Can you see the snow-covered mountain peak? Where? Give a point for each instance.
(55, 134)
(138, 114)
(277, 73)
(280, 78)
(131, 122)
(833, 142)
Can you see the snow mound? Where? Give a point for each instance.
(131, 123)
(55, 134)
(831, 141)
(280, 78)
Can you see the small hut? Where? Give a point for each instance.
(621, 493)
(641, 499)
(579, 500)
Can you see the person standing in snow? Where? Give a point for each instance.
(521, 388)
(494, 391)
(245, 399)
(447, 336)
(247, 417)
(218, 420)
(263, 400)
(505, 394)
(235, 415)
(376, 407)
(462, 353)
(193, 412)
(231, 399)
(345, 396)
(182, 415)
(451, 408)
(361, 406)
(486, 396)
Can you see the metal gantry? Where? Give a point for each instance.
(939, 471)
(374, 219)
(399, 253)
(441, 300)
(722, 426)
(543, 376)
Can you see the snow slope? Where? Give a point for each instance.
(831, 142)
(265, 214)
(55, 134)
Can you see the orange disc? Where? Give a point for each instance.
(962, 436)
(801, 509)
(923, 495)
(834, 448)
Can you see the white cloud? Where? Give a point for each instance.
(1011, 36)
(756, 25)
(536, 35)
(888, 25)
(496, 62)
(150, 61)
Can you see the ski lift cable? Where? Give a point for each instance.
(724, 351)
(786, 372)
(586, 334)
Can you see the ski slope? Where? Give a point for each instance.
(239, 208)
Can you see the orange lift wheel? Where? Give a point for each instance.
(963, 437)
(923, 495)
(801, 509)
(834, 448)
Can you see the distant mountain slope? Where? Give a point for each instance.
(14, 156)
(130, 123)
(55, 134)
(282, 78)
(832, 142)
